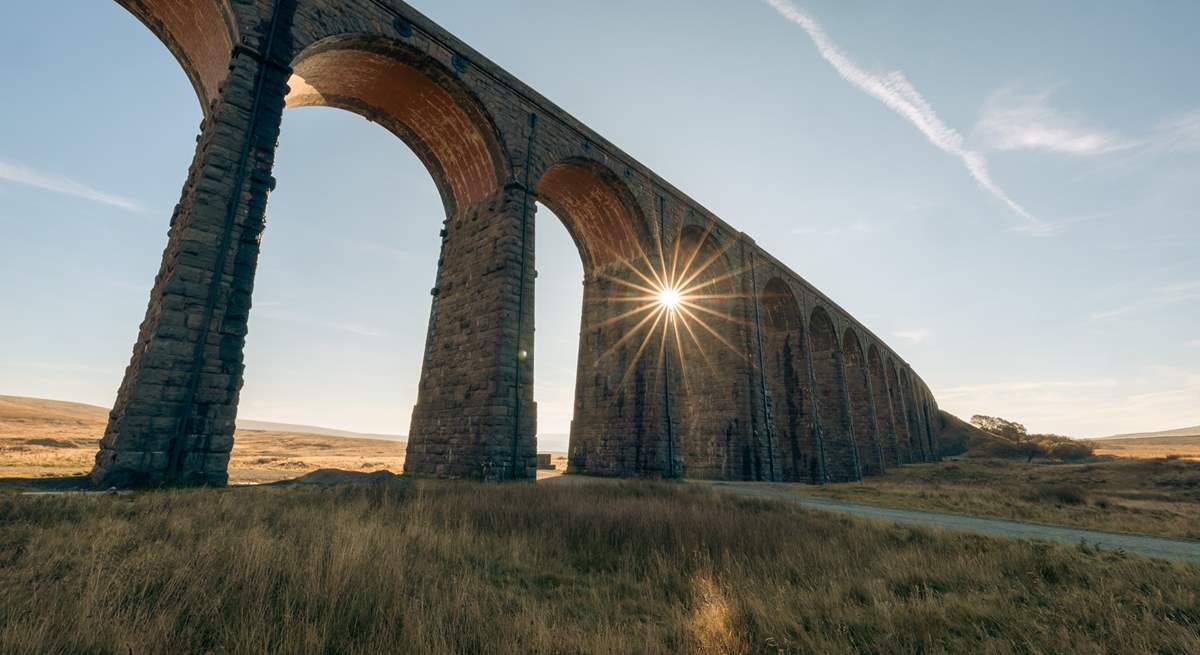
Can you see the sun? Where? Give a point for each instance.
(669, 298)
(671, 302)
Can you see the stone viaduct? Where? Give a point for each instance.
(770, 380)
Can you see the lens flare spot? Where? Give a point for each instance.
(669, 298)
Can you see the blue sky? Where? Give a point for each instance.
(1007, 194)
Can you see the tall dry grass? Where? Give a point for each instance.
(628, 568)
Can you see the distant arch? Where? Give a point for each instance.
(841, 453)
(786, 370)
(929, 420)
(917, 436)
(200, 33)
(883, 409)
(861, 414)
(415, 98)
(900, 416)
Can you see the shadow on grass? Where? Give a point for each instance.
(57, 483)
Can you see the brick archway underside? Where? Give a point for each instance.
(598, 218)
(451, 142)
(196, 33)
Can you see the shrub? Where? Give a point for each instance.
(1070, 451)
(1059, 494)
(1006, 449)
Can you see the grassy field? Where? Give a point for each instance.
(1147, 496)
(1151, 447)
(41, 438)
(547, 568)
(1150, 488)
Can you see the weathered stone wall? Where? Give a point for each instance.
(862, 407)
(475, 415)
(886, 426)
(761, 377)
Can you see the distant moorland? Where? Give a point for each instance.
(40, 438)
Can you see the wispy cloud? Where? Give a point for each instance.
(898, 94)
(19, 174)
(913, 336)
(1017, 121)
(1170, 294)
(1179, 132)
(1194, 343)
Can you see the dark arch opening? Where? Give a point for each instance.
(862, 420)
(927, 421)
(899, 416)
(883, 409)
(197, 32)
(916, 428)
(417, 100)
(786, 364)
(840, 450)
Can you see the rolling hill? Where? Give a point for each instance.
(55, 438)
(1193, 431)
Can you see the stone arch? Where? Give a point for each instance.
(920, 437)
(935, 424)
(599, 212)
(708, 367)
(414, 97)
(609, 424)
(840, 450)
(199, 33)
(899, 415)
(786, 371)
(927, 420)
(862, 413)
(884, 422)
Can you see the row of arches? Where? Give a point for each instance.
(670, 393)
(840, 413)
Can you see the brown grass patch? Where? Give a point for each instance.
(1151, 447)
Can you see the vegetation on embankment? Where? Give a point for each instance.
(989, 475)
(589, 568)
(1146, 496)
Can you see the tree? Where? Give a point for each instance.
(999, 426)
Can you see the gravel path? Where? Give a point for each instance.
(1175, 549)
